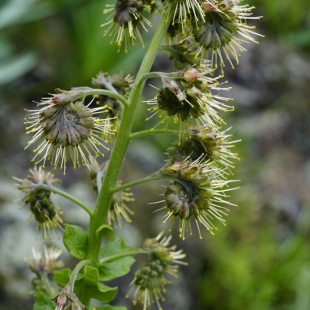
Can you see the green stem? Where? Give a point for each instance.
(150, 75)
(123, 254)
(75, 273)
(110, 87)
(121, 144)
(147, 132)
(153, 177)
(92, 92)
(68, 196)
(81, 293)
(160, 75)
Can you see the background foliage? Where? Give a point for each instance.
(261, 260)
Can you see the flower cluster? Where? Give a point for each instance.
(66, 128)
(150, 281)
(46, 215)
(202, 158)
(215, 29)
(201, 35)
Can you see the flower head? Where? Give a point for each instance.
(198, 191)
(185, 13)
(124, 21)
(47, 263)
(224, 30)
(44, 266)
(65, 130)
(149, 285)
(160, 249)
(202, 141)
(46, 215)
(190, 95)
(149, 282)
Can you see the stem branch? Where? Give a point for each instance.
(153, 177)
(86, 91)
(143, 133)
(120, 255)
(123, 138)
(68, 196)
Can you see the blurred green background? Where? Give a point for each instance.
(261, 259)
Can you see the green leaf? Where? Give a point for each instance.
(106, 231)
(94, 288)
(43, 302)
(118, 267)
(75, 240)
(108, 307)
(62, 276)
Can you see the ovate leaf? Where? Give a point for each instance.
(75, 240)
(118, 267)
(105, 231)
(94, 288)
(62, 276)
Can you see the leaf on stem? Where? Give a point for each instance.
(75, 240)
(105, 231)
(96, 289)
(117, 267)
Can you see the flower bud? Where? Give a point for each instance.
(67, 300)
(191, 75)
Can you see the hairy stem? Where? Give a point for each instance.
(75, 273)
(83, 296)
(121, 144)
